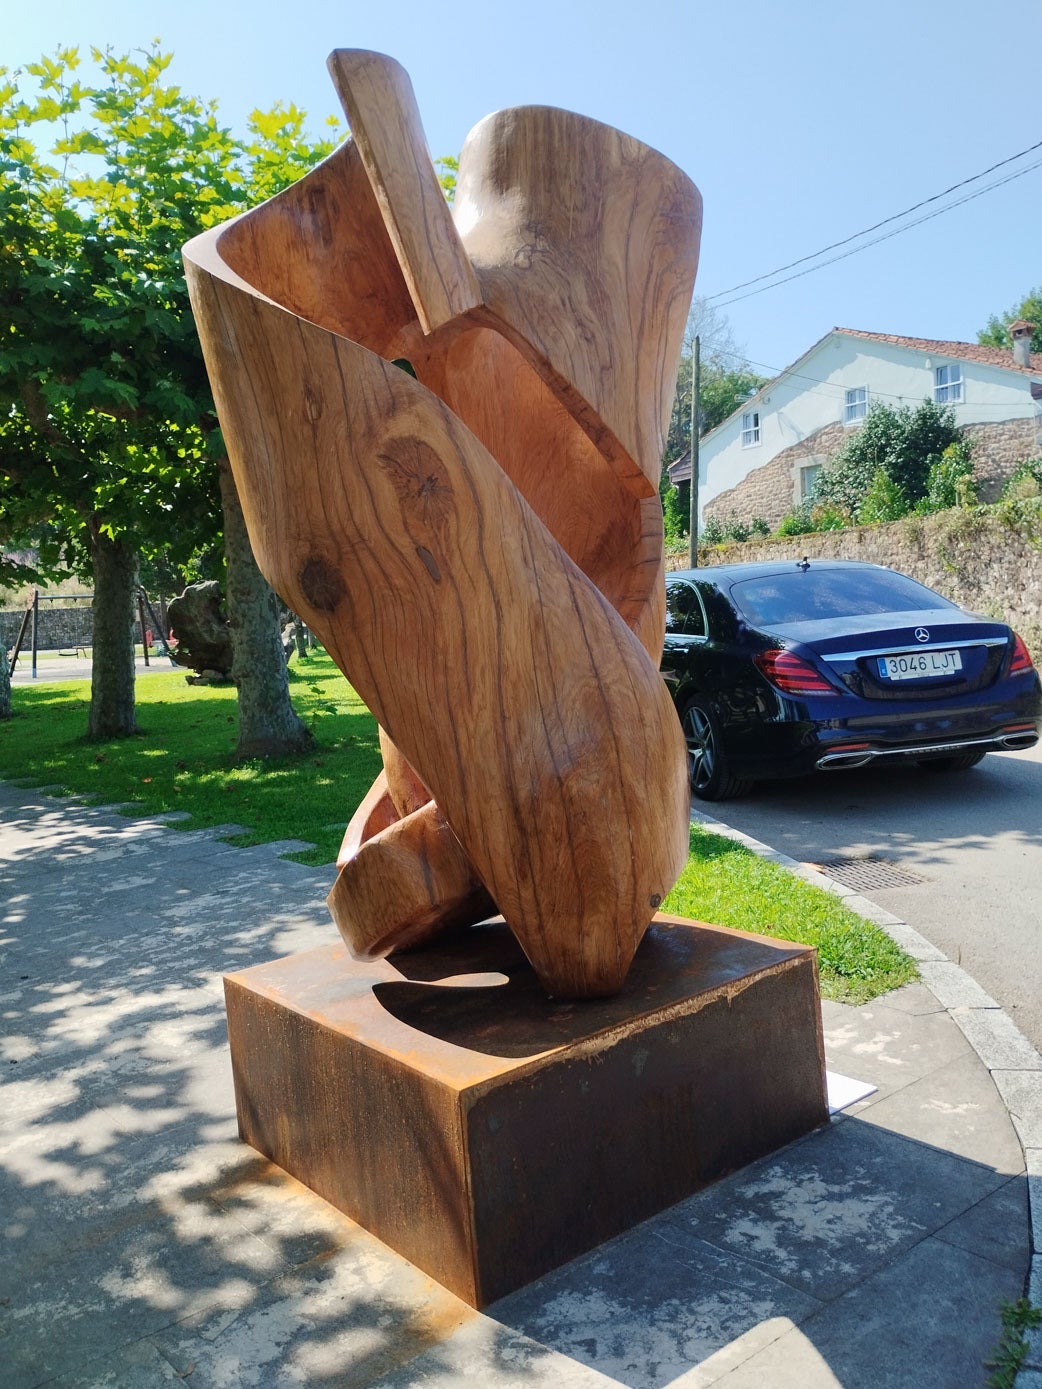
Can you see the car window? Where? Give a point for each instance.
(720, 615)
(684, 615)
(812, 594)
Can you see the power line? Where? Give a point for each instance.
(887, 236)
(897, 216)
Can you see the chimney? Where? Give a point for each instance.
(1021, 332)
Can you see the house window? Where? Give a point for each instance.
(750, 428)
(947, 384)
(855, 407)
(809, 480)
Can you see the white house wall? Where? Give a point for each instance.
(813, 392)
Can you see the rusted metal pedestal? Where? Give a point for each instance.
(490, 1134)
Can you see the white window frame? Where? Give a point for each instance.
(947, 384)
(855, 405)
(750, 429)
(805, 468)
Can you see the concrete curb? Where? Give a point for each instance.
(1012, 1061)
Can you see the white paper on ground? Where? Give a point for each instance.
(842, 1091)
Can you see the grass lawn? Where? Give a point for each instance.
(727, 884)
(183, 759)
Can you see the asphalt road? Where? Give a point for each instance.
(973, 839)
(51, 667)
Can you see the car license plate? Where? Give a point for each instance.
(919, 665)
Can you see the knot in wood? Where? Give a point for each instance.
(322, 584)
(420, 480)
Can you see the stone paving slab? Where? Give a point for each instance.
(952, 1108)
(145, 1245)
(649, 1306)
(830, 1210)
(993, 1228)
(872, 1336)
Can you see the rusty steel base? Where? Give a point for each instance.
(488, 1133)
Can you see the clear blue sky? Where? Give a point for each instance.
(801, 123)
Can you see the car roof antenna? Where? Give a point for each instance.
(803, 564)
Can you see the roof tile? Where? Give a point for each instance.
(970, 351)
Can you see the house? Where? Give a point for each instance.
(763, 460)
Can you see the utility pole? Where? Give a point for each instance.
(693, 511)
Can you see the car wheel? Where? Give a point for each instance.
(710, 776)
(957, 762)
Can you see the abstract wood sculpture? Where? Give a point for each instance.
(446, 429)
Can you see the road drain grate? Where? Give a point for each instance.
(864, 874)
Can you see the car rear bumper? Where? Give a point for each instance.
(843, 759)
(801, 741)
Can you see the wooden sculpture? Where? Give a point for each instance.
(446, 429)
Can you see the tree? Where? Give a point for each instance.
(725, 380)
(996, 334)
(887, 462)
(109, 443)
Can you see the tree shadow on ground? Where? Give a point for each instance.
(146, 1245)
(141, 1237)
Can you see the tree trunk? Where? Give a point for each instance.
(5, 683)
(269, 726)
(112, 667)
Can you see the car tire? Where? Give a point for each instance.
(957, 762)
(708, 772)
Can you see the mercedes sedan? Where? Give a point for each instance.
(780, 669)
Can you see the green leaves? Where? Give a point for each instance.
(106, 416)
(885, 467)
(996, 334)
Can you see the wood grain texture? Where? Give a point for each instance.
(585, 244)
(380, 106)
(476, 548)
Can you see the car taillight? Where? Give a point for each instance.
(1021, 660)
(792, 674)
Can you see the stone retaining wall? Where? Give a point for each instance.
(60, 629)
(988, 559)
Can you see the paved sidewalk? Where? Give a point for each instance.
(144, 1245)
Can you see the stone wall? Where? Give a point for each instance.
(998, 448)
(773, 490)
(988, 559)
(60, 629)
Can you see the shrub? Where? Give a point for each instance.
(902, 443)
(758, 526)
(1024, 481)
(928, 432)
(827, 517)
(735, 529)
(798, 521)
(884, 501)
(846, 479)
(674, 522)
(712, 532)
(949, 482)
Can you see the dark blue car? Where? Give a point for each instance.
(785, 668)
